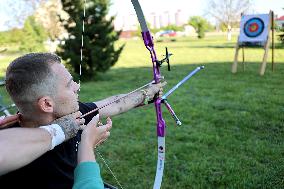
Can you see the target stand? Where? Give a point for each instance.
(255, 32)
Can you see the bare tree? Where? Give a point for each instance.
(49, 14)
(228, 11)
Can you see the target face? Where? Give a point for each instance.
(254, 27)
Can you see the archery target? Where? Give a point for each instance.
(254, 28)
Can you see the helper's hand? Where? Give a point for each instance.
(6, 122)
(70, 124)
(95, 133)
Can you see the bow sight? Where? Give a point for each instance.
(166, 59)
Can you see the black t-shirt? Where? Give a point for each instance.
(54, 169)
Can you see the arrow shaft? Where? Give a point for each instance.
(182, 82)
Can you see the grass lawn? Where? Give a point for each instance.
(233, 127)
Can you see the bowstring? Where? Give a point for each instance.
(112, 173)
(82, 43)
(115, 100)
(80, 77)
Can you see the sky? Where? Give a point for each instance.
(124, 10)
(188, 7)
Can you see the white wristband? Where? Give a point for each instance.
(56, 133)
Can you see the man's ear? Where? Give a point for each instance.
(45, 104)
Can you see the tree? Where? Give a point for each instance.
(200, 25)
(13, 36)
(33, 36)
(281, 35)
(228, 11)
(99, 51)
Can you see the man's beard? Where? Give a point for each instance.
(59, 112)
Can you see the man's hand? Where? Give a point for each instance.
(154, 89)
(70, 124)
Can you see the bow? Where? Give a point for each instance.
(161, 125)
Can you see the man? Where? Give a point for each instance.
(43, 90)
(87, 172)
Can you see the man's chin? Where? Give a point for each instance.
(77, 109)
(58, 115)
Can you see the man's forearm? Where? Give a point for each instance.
(130, 101)
(20, 146)
(121, 105)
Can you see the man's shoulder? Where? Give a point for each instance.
(87, 107)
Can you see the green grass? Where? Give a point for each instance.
(233, 127)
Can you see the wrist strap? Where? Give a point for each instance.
(56, 133)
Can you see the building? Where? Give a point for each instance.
(128, 22)
(279, 22)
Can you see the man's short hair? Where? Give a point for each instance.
(29, 77)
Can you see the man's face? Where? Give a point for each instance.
(66, 99)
